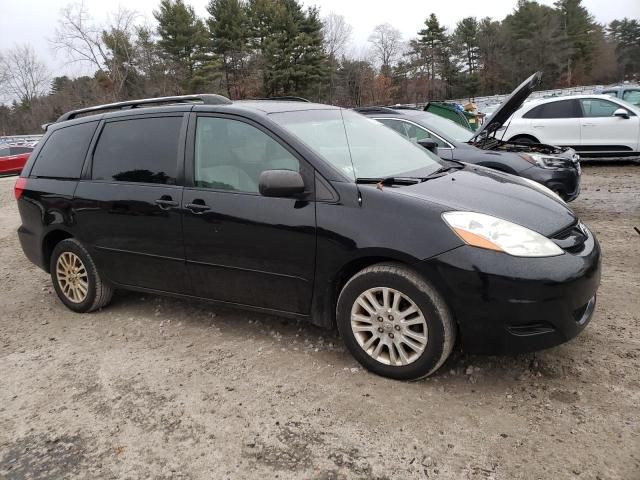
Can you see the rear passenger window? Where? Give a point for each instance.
(560, 109)
(63, 153)
(141, 150)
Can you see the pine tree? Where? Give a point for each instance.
(229, 30)
(291, 45)
(579, 32)
(434, 44)
(533, 41)
(625, 34)
(466, 39)
(184, 42)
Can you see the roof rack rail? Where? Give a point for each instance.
(207, 99)
(380, 110)
(402, 107)
(286, 98)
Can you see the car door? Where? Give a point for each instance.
(604, 132)
(242, 247)
(416, 133)
(556, 123)
(128, 203)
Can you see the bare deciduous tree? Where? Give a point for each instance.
(24, 76)
(336, 33)
(108, 48)
(386, 42)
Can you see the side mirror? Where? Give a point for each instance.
(280, 183)
(621, 112)
(429, 145)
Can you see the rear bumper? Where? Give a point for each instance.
(564, 181)
(32, 247)
(506, 304)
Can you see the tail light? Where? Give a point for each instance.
(18, 188)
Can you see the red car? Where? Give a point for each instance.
(13, 158)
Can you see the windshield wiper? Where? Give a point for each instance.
(391, 180)
(442, 170)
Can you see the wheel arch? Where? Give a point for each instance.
(524, 135)
(49, 242)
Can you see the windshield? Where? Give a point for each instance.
(448, 128)
(356, 145)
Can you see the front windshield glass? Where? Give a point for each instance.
(358, 146)
(448, 128)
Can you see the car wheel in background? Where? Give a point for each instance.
(524, 139)
(394, 323)
(76, 279)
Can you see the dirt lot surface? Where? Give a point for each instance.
(153, 387)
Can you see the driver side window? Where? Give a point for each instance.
(595, 107)
(231, 155)
(412, 132)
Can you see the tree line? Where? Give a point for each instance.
(266, 48)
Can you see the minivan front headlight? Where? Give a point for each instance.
(485, 231)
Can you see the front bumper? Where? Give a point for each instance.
(564, 181)
(506, 304)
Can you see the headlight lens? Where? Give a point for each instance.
(546, 161)
(543, 189)
(485, 231)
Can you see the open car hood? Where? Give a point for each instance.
(508, 107)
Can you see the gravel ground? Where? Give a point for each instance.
(154, 387)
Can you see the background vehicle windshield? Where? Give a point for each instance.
(448, 128)
(358, 146)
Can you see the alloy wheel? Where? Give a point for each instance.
(72, 277)
(389, 326)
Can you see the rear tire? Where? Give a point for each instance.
(373, 320)
(76, 279)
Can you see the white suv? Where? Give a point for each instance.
(592, 124)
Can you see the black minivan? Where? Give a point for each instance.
(308, 211)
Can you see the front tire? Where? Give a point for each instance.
(394, 323)
(76, 279)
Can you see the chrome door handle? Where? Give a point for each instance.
(197, 208)
(166, 202)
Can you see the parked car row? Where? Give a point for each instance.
(556, 168)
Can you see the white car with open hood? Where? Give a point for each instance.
(591, 124)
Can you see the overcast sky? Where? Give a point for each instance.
(34, 21)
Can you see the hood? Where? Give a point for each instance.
(482, 190)
(508, 107)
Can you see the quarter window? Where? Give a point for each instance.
(595, 107)
(143, 150)
(559, 109)
(63, 153)
(231, 155)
